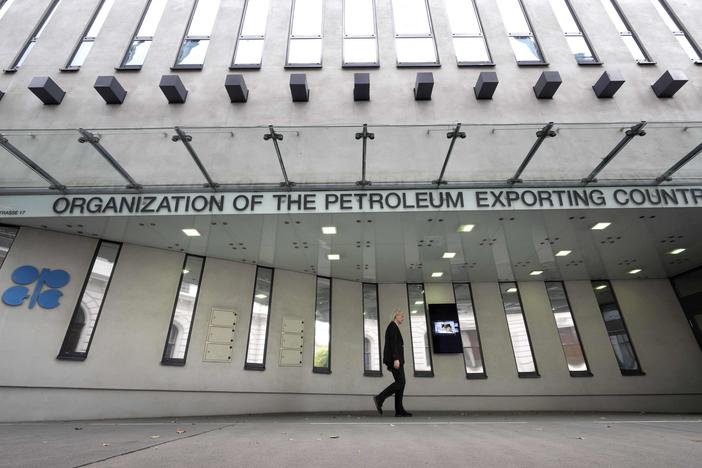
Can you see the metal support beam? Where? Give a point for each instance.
(186, 139)
(666, 176)
(53, 183)
(365, 136)
(541, 135)
(88, 137)
(272, 135)
(636, 130)
(454, 135)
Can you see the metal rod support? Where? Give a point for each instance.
(541, 135)
(88, 137)
(454, 135)
(666, 176)
(630, 134)
(272, 135)
(186, 139)
(365, 136)
(53, 183)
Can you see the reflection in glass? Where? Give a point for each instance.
(676, 27)
(468, 39)
(521, 37)
(249, 47)
(322, 326)
(360, 46)
(141, 42)
(81, 52)
(371, 329)
(258, 329)
(421, 351)
(525, 49)
(616, 328)
(85, 316)
(193, 52)
(7, 237)
(197, 38)
(567, 331)
(414, 33)
(136, 54)
(305, 37)
(38, 29)
(573, 31)
(181, 324)
(630, 39)
(518, 332)
(470, 337)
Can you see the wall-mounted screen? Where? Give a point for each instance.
(445, 332)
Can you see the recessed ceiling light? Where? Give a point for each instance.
(437, 274)
(563, 253)
(328, 229)
(261, 296)
(191, 232)
(449, 254)
(676, 251)
(186, 271)
(511, 290)
(635, 271)
(601, 287)
(600, 226)
(418, 302)
(466, 227)
(333, 257)
(536, 272)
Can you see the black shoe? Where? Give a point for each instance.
(378, 404)
(404, 414)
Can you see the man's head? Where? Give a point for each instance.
(398, 317)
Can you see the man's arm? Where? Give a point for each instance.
(396, 346)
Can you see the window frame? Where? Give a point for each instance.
(344, 37)
(136, 37)
(491, 62)
(315, 369)
(254, 365)
(181, 361)
(682, 29)
(630, 33)
(475, 375)
(32, 39)
(581, 33)
(304, 37)
(526, 63)
(239, 37)
(429, 373)
(372, 373)
(187, 37)
(84, 38)
(521, 375)
(432, 36)
(64, 355)
(17, 231)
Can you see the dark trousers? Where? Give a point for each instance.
(397, 387)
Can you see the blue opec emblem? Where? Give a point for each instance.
(26, 275)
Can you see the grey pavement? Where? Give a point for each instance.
(361, 440)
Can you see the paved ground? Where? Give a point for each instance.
(362, 440)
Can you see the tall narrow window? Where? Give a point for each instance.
(371, 331)
(197, 35)
(414, 34)
(322, 327)
(421, 350)
(518, 331)
(629, 36)
(524, 44)
(176, 349)
(139, 46)
(573, 31)
(89, 35)
(616, 329)
(7, 237)
(260, 313)
(305, 38)
(81, 329)
(467, 32)
(679, 30)
(360, 34)
(34, 37)
(4, 6)
(470, 336)
(252, 34)
(567, 330)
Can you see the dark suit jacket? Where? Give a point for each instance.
(394, 346)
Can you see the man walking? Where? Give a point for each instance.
(394, 359)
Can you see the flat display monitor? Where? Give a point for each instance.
(445, 331)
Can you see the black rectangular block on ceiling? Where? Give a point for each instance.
(361, 86)
(423, 86)
(486, 85)
(608, 84)
(236, 88)
(548, 84)
(298, 87)
(47, 90)
(669, 83)
(173, 88)
(109, 88)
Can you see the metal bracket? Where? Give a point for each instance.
(541, 135)
(453, 136)
(630, 134)
(276, 137)
(365, 135)
(667, 175)
(186, 139)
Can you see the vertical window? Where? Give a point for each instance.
(678, 29)
(176, 349)
(34, 37)
(252, 34)
(688, 288)
(616, 329)
(573, 31)
(4, 6)
(81, 329)
(143, 36)
(7, 237)
(197, 35)
(414, 34)
(322, 327)
(521, 35)
(258, 328)
(467, 32)
(629, 36)
(567, 330)
(371, 331)
(518, 331)
(470, 336)
(305, 38)
(89, 35)
(360, 34)
(421, 351)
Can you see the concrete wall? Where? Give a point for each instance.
(122, 375)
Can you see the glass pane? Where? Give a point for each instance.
(7, 237)
(513, 16)
(359, 18)
(305, 51)
(322, 332)
(411, 17)
(525, 49)
(204, 18)
(151, 18)
(249, 52)
(5, 7)
(634, 48)
(371, 338)
(566, 327)
(616, 328)
(25, 54)
(193, 52)
(360, 51)
(687, 47)
(614, 16)
(517, 328)
(136, 54)
(259, 316)
(307, 18)
(415, 50)
(462, 16)
(472, 352)
(667, 19)
(564, 16)
(255, 19)
(471, 49)
(81, 53)
(100, 18)
(418, 326)
(179, 331)
(48, 19)
(580, 49)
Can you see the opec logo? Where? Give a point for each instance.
(27, 275)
